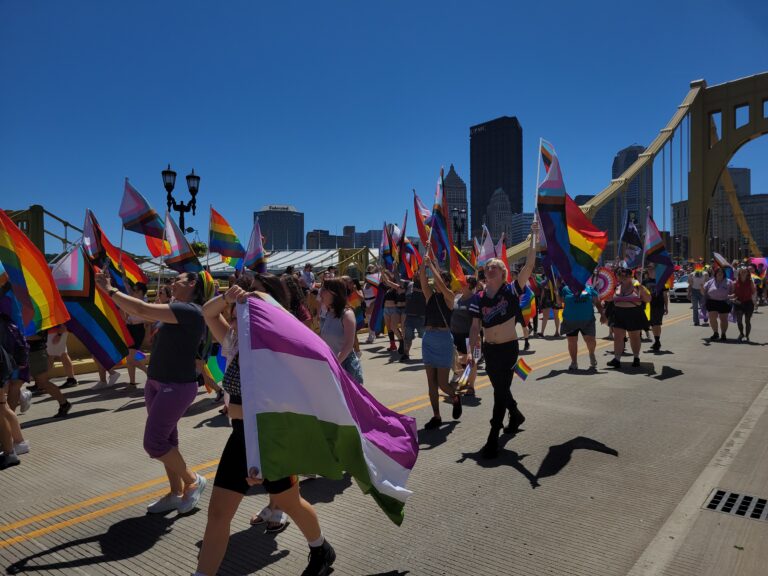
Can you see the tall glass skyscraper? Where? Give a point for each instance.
(282, 227)
(495, 161)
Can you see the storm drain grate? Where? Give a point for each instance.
(738, 504)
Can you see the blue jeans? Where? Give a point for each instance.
(696, 304)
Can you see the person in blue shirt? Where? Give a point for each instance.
(579, 316)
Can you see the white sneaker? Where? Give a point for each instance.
(165, 504)
(113, 378)
(189, 500)
(25, 400)
(21, 448)
(100, 385)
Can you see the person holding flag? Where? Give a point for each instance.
(496, 310)
(717, 292)
(659, 303)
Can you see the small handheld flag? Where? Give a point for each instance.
(522, 369)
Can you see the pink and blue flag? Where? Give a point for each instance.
(314, 419)
(182, 258)
(656, 252)
(255, 257)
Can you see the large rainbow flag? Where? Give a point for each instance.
(223, 239)
(138, 216)
(574, 244)
(35, 303)
(94, 317)
(387, 249)
(315, 419)
(422, 214)
(442, 236)
(255, 257)
(103, 253)
(181, 258)
(656, 252)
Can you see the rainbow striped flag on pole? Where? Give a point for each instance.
(223, 239)
(255, 258)
(138, 216)
(103, 254)
(314, 419)
(95, 319)
(181, 258)
(656, 252)
(33, 300)
(522, 369)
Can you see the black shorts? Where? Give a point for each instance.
(719, 306)
(233, 466)
(630, 319)
(657, 314)
(460, 341)
(746, 308)
(137, 332)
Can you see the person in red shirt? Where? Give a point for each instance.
(743, 302)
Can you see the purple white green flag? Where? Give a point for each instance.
(303, 414)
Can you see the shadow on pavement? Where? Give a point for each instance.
(130, 405)
(390, 573)
(317, 490)
(658, 352)
(429, 439)
(249, 551)
(505, 458)
(667, 372)
(411, 367)
(201, 406)
(125, 539)
(74, 414)
(578, 372)
(217, 421)
(559, 455)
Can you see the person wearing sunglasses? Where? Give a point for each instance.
(629, 300)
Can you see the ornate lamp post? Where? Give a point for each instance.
(459, 222)
(193, 184)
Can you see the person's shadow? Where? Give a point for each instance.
(429, 439)
(505, 458)
(250, 551)
(125, 539)
(559, 455)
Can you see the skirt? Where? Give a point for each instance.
(630, 319)
(719, 306)
(437, 348)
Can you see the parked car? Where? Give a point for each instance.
(679, 292)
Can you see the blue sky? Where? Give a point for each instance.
(340, 108)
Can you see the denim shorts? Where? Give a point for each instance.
(413, 324)
(392, 311)
(437, 348)
(352, 366)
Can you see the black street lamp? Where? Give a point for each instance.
(193, 184)
(459, 222)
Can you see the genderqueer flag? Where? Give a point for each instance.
(313, 418)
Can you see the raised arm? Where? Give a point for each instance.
(444, 290)
(213, 312)
(135, 306)
(530, 259)
(425, 287)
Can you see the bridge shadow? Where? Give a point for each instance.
(429, 439)
(122, 540)
(559, 456)
(505, 458)
(74, 414)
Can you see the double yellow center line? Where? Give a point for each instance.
(404, 407)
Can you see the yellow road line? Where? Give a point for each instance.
(548, 361)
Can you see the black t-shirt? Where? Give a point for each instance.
(656, 299)
(175, 345)
(415, 303)
(504, 305)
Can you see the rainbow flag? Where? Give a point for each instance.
(522, 369)
(36, 303)
(422, 214)
(255, 257)
(216, 366)
(442, 237)
(410, 259)
(547, 154)
(181, 258)
(698, 267)
(656, 252)
(94, 317)
(387, 249)
(574, 244)
(528, 304)
(138, 216)
(223, 239)
(465, 264)
(356, 303)
(103, 253)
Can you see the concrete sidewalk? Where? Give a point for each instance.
(608, 476)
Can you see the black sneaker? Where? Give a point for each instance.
(404, 358)
(434, 423)
(636, 362)
(527, 345)
(63, 409)
(715, 336)
(69, 383)
(457, 409)
(320, 560)
(615, 363)
(656, 346)
(722, 337)
(490, 450)
(400, 348)
(8, 460)
(516, 420)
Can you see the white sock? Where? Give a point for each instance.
(317, 543)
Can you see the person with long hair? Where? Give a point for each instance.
(232, 478)
(339, 329)
(629, 300)
(461, 322)
(393, 312)
(550, 304)
(717, 291)
(171, 384)
(296, 304)
(14, 356)
(496, 310)
(744, 292)
(437, 343)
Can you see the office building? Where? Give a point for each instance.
(282, 227)
(520, 227)
(495, 162)
(498, 216)
(455, 191)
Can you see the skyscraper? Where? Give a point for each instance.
(495, 161)
(498, 216)
(456, 194)
(282, 227)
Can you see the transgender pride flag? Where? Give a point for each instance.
(305, 415)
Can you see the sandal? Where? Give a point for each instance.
(278, 521)
(262, 516)
(469, 392)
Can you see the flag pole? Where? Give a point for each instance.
(538, 174)
(122, 230)
(208, 252)
(645, 240)
(160, 270)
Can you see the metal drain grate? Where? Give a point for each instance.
(738, 504)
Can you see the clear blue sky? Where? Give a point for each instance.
(340, 108)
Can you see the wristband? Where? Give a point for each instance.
(113, 291)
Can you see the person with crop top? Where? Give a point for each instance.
(717, 292)
(393, 312)
(232, 479)
(496, 310)
(629, 300)
(744, 291)
(437, 343)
